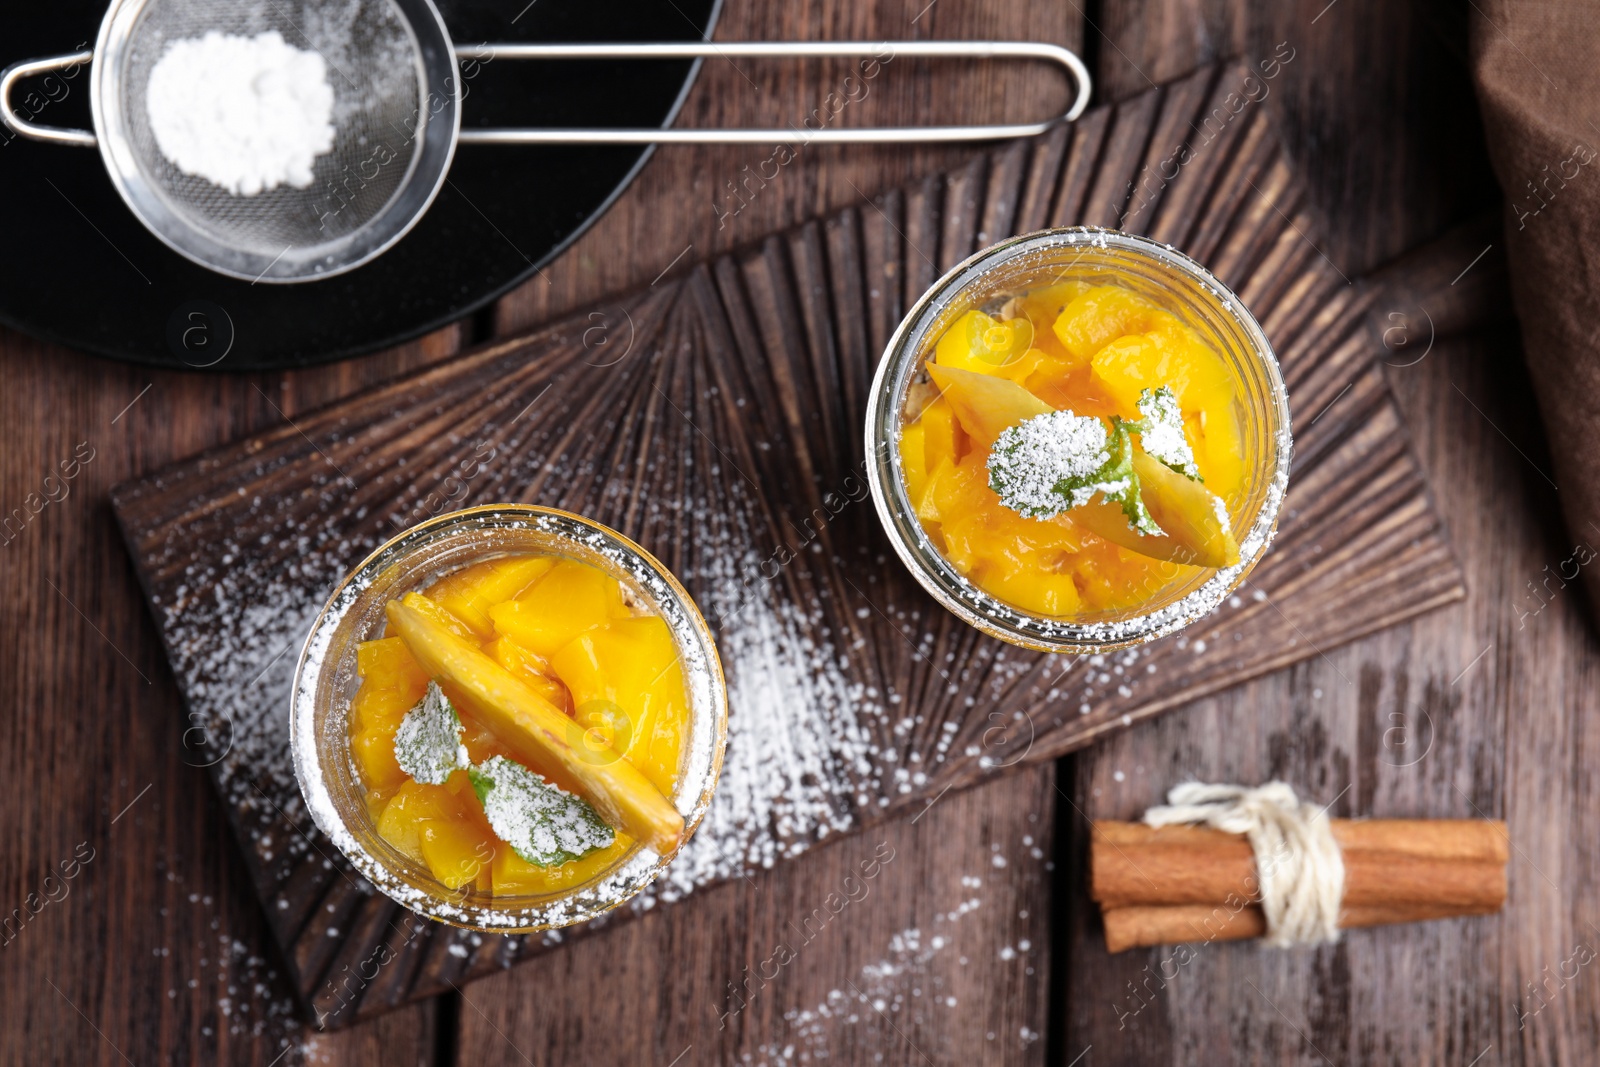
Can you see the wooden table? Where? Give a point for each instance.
(976, 943)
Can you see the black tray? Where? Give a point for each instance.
(78, 268)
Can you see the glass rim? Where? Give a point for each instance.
(607, 890)
(928, 565)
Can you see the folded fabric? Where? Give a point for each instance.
(1536, 64)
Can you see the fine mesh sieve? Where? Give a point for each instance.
(396, 116)
(376, 76)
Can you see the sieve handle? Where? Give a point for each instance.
(880, 50)
(33, 131)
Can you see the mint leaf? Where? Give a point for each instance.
(1044, 465)
(543, 823)
(481, 783)
(428, 744)
(1060, 460)
(1118, 482)
(1161, 431)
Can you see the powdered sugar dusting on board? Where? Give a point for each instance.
(236, 647)
(799, 737)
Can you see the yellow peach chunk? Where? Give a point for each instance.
(984, 345)
(1174, 357)
(913, 460)
(372, 748)
(388, 663)
(374, 706)
(1040, 593)
(939, 442)
(533, 669)
(513, 876)
(1100, 315)
(628, 686)
(1044, 305)
(469, 594)
(572, 598)
(456, 850)
(1220, 452)
(414, 805)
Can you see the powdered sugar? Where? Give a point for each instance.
(428, 744)
(246, 113)
(542, 823)
(1161, 432)
(1031, 459)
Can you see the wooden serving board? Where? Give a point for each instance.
(716, 418)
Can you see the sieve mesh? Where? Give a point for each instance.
(375, 70)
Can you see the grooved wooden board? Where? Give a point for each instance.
(715, 418)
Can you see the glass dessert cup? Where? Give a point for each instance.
(1159, 276)
(327, 679)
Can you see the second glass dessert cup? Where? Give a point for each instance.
(1158, 276)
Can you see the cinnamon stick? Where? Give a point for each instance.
(1454, 839)
(1135, 927)
(1186, 883)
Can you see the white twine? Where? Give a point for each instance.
(1299, 867)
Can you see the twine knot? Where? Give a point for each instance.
(1299, 868)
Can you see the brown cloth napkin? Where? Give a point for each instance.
(1537, 68)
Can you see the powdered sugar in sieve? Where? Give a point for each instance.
(246, 113)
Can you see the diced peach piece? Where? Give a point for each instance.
(1219, 451)
(1100, 315)
(456, 850)
(939, 442)
(572, 598)
(379, 706)
(628, 686)
(469, 594)
(1044, 305)
(913, 460)
(928, 506)
(442, 826)
(414, 805)
(1040, 593)
(984, 345)
(388, 663)
(1174, 356)
(513, 876)
(533, 669)
(373, 750)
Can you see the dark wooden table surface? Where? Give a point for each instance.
(976, 943)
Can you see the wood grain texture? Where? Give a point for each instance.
(956, 977)
(156, 951)
(713, 417)
(1366, 78)
(82, 728)
(1486, 709)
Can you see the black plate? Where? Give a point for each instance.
(78, 268)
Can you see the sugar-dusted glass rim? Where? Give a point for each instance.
(326, 678)
(1015, 264)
